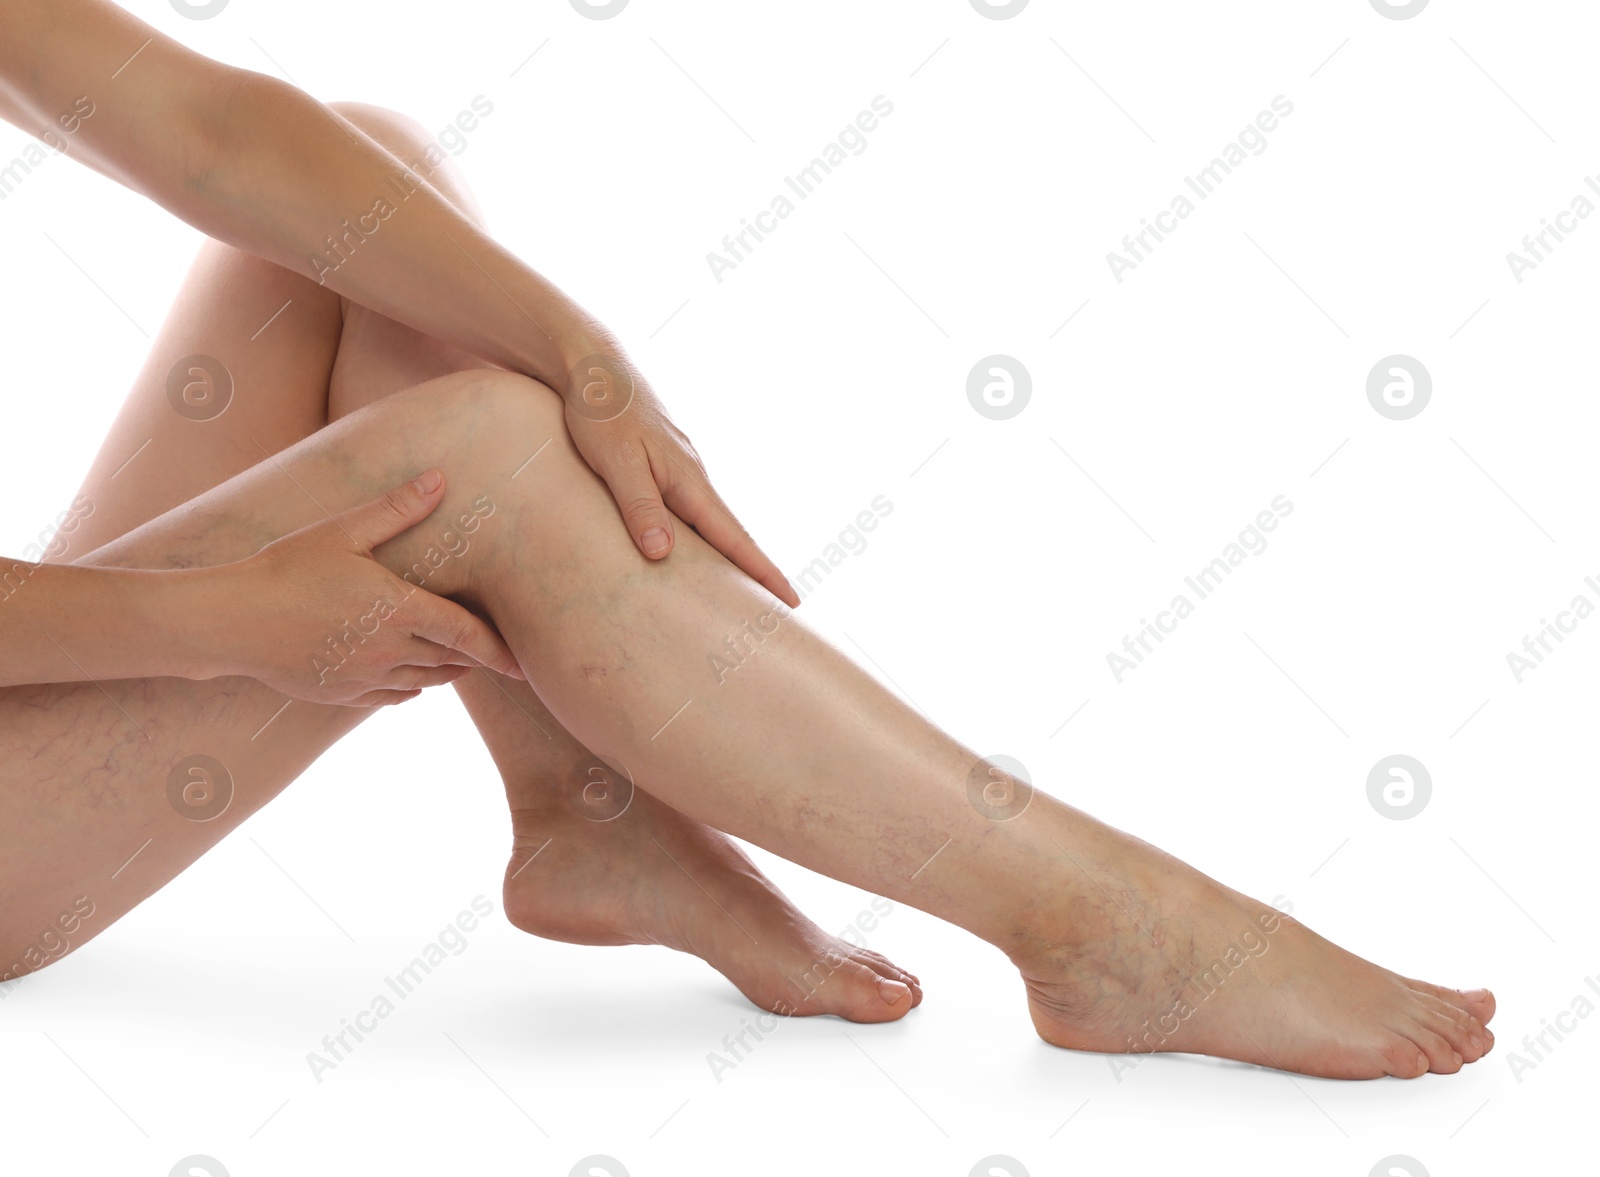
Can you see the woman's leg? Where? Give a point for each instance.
(721, 702)
(108, 790)
(651, 876)
(695, 682)
(290, 354)
(577, 874)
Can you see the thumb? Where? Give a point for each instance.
(387, 516)
(634, 487)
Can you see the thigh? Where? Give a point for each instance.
(109, 790)
(251, 359)
(239, 371)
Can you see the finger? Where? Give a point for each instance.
(448, 624)
(388, 515)
(383, 698)
(633, 484)
(422, 652)
(414, 678)
(702, 508)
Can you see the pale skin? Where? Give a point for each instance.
(253, 162)
(1120, 946)
(650, 877)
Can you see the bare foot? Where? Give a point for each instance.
(1165, 959)
(652, 876)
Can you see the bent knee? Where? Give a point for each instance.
(503, 395)
(415, 146)
(489, 409)
(507, 426)
(384, 124)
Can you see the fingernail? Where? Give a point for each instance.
(427, 482)
(890, 991)
(654, 541)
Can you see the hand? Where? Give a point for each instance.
(315, 616)
(623, 432)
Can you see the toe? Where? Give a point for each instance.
(887, 968)
(882, 959)
(1470, 1038)
(862, 994)
(1479, 1003)
(1443, 1059)
(1402, 1058)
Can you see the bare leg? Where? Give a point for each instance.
(85, 768)
(293, 354)
(650, 876)
(793, 747)
(796, 749)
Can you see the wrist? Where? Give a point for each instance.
(195, 624)
(602, 383)
(580, 347)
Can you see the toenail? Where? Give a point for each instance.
(1457, 1057)
(890, 991)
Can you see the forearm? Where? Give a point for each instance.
(62, 623)
(258, 164)
(293, 182)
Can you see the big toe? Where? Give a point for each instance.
(865, 990)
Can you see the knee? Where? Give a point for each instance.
(496, 395)
(506, 434)
(384, 125)
(415, 146)
(487, 415)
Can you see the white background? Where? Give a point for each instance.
(824, 371)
